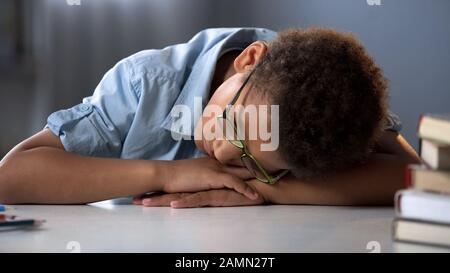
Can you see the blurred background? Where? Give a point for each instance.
(52, 54)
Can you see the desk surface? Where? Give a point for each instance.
(109, 227)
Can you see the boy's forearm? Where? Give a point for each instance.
(374, 183)
(53, 176)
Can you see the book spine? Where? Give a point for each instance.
(397, 203)
(421, 117)
(408, 176)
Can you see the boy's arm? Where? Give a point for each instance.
(374, 183)
(39, 170)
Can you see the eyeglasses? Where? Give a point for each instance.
(248, 160)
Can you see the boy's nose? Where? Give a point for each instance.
(227, 153)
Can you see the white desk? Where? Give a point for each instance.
(107, 227)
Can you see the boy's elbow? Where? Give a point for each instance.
(8, 191)
(410, 158)
(5, 190)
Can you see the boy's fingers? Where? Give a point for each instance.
(137, 200)
(214, 198)
(199, 199)
(241, 172)
(238, 185)
(162, 200)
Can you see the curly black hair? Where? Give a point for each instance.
(331, 97)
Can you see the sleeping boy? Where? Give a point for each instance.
(332, 139)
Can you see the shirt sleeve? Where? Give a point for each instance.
(99, 125)
(393, 123)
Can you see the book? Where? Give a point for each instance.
(422, 178)
(435, 154)
(423, 206)
(414, 231)
(435, 127)
(423, 210)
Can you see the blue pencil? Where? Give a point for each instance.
(4, 208)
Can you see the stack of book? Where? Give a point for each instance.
(423, 210)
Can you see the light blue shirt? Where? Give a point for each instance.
(129, 114)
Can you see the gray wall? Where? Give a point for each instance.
(73, 47)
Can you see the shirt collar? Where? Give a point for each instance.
(197, 85)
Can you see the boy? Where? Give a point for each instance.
(337, 143)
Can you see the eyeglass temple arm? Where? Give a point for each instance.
(242, 88)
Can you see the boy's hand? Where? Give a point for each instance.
(202, 174)
(212, 198)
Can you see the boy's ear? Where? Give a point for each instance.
(250, 57)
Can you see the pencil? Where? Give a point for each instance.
(14, 221)
(4, 208)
